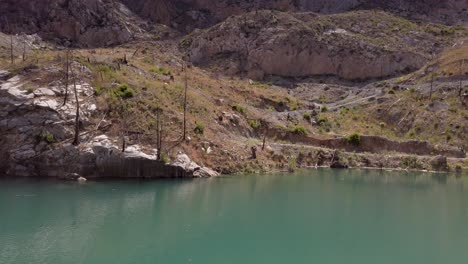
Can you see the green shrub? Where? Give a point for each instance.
(411, 162)
(29, 90)
(161, 71)
(322, 121)
(307, 116)
(354, 139)
(123, 91)
(47, 137)
(98, 91)
(199, 129)
(324, 109)
(165, 158)
(299, 130)
(239, 109)
(255, 124)
(344, 111)
(391, 91)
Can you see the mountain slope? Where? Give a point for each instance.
(85, 23)
(186, 15)
(353, 45)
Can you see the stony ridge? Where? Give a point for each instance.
(355, 45)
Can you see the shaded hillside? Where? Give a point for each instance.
(110, 22)
(85, 23)
(353, 45)
(186, 15)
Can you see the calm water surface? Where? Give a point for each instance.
(320, 216)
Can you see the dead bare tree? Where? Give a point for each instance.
(460, 88)
(432, 86)
(265, 129)
(76, 140)
(123, 126)
(24, 48)
(159, 112)
(184, 134)
(11, 50)
(8, 26)
(67, 76)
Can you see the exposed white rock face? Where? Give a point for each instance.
(4, 74)
(183, 161)
(43, 92)
(37, 131)
(12, 86)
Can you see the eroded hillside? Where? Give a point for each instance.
(268, 90)
(355, 45)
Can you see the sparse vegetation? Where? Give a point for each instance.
(123, 91)
(199, 128)
(160, 71)
(255, 124)
(299, 130)
(47, 137)
(354, 139)
(239, 109)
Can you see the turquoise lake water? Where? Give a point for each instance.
(324, 216)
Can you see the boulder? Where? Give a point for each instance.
(439, 163)
(44, 92)
(183, 161)
(205, 172)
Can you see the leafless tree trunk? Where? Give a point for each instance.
(76, 140)
(460, 88)
(123, 128)
(10, 29)
(184, 134)
(264, 142)
(24, 50)
(432, 86)
(124, 142)
(254, 152)
(158, 133)
(11, 49)
(67, 71)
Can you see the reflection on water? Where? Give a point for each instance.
(323, 216)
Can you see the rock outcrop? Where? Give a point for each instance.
(358, 45)
(439, 163)
(110, 22)
(72, 22)
(187, 15)
(36, 139)
(193, 169)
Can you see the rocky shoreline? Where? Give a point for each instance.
(37, 130)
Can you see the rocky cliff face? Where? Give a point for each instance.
(109, 22)
(189, 14)
(88, 22)
(357, 45)
(36, 130)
